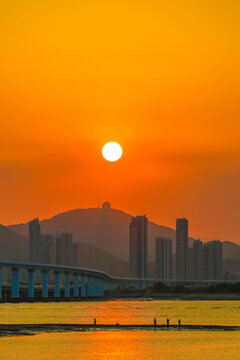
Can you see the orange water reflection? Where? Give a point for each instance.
(123, 345)
(123, 312)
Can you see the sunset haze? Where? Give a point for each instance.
(159, 78)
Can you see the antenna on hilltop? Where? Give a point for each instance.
(98, 204)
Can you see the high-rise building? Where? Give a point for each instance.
(196, 261)
(163, 256)
(48, 253)
(64, 248)
(182, 249)
(75, 248)
(138, 247)
(190, 252)
(212, 260)
(34, 241)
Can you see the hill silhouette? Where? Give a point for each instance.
(105, 228)
(13, 246)
(108, 229)
(103, 237)
(231, 250)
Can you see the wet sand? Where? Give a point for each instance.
(32, 329)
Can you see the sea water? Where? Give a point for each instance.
(121, 344)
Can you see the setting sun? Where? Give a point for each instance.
(112, 151)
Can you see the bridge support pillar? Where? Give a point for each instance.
(15, 282)
(56, 284)
(83, 285)
(75, 286)
(30, 283)
(92, 287)
(101, 287)
(95, 287)
(106, 286)
(111, 286)
(98, 287)
(67, 284)
(89, 286)
(44, 284)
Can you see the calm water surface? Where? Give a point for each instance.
(127, 345)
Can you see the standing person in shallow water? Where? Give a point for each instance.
(167, 322)
(179, 322)
(94, 321)
(155, 322)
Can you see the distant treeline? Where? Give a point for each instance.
(212, 289)
(160, 288)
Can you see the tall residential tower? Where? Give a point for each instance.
(35, 245)
(212, 260)
(138, 247)
(182, 249)
(196, 269)
(64, 247)
(163, 253)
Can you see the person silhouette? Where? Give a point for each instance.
(167, 322)
(94, 321)
(155, 322)
(179, 322)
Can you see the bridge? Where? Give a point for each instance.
(86, 282)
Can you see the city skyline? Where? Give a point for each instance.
(197, 262)
(95, 224)
(48, 248)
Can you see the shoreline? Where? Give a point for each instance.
(133, 297)
(8, 330)
(176, 297)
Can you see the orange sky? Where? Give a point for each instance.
(159, 77)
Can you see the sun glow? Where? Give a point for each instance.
(112, 151)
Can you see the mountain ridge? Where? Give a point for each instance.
(103, 237)
(108, 229)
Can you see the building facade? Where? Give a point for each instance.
(182, 261)
(35, 243)
(48, 249)
(212, 260)
(138, 247)
(51, 249)
(75, 257)
(196, 261)
(64, 248)
(163, 258)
